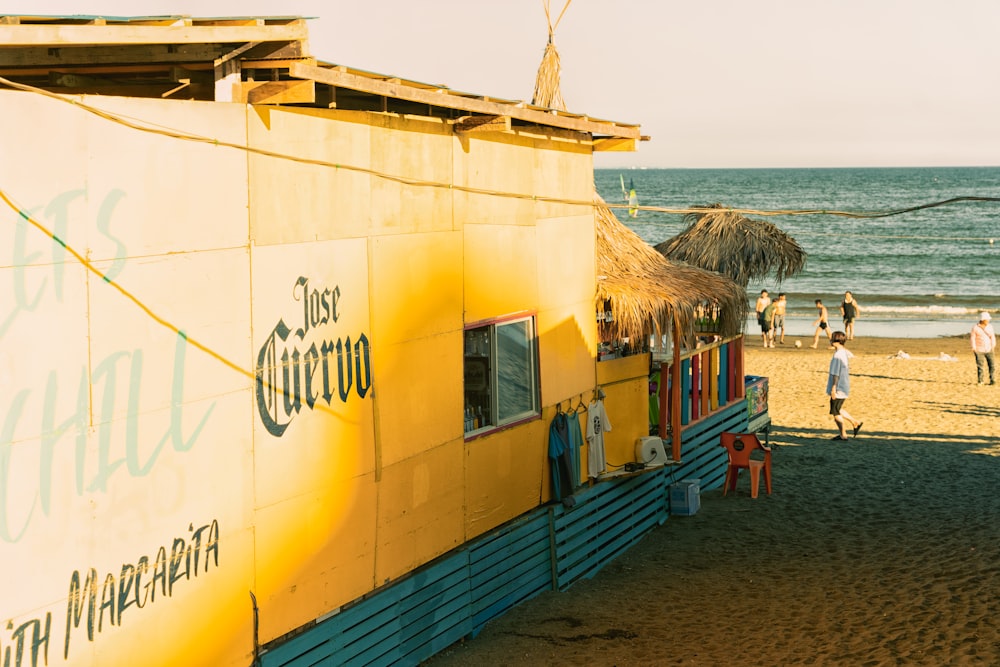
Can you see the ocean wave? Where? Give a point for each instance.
(888, 312)
(920, 310)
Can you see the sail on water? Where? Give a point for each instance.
(632, 199)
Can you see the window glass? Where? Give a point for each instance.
(501, 374)
(515, 370)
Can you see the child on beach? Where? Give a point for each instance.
(838, 386)
(822, 323)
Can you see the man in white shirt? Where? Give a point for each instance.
(984, 342)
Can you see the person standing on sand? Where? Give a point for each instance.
(763, 301)
(838, 386)
(984, 342)
(767, 323)
(849, 310)
(822, 323)
(779, 319)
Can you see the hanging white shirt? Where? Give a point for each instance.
(597, 426)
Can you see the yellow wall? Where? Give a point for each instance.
(626, 383)
(121, 438)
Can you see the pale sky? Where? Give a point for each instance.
(714, 83)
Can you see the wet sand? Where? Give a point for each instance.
(883, 550)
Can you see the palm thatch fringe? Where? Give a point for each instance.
(645, 291)
(741, 248)
(547, 89)
(547, 92)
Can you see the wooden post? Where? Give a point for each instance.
(738, 377)
(706, 382)
(687, 405)
(696, 385)
(724, 367)
(675, 397)
(713, 378)
(666, 387)
(730, 371)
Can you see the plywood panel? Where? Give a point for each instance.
(420, 510)
(204, 295)
(500, 277)
(294, 201)
(313, 430)
(495, 163)
(504, 475)
(563, 171)
(627, 404)
(416, 286)
(567, 263)
(566, 351)
(420, 151)
(158, 193)
(315, 552)
(312, 352)
(420, 397)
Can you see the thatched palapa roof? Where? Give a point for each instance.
(743, 249)
(646, 291)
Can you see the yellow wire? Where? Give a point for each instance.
(117, 118)
(131, 297)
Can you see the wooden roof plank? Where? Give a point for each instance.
(57, 35)
(277, 92)
(335, 77)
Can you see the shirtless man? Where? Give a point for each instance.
(779, 318)
(822, 323)
(763, 301)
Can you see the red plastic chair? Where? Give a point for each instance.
(740, 447)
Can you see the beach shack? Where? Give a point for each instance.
(282, 342)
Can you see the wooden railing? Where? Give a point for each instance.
(696, 384)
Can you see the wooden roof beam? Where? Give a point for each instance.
(483, 124)
(117, 34)
(446, 99)
(276, 92)
(65, 56)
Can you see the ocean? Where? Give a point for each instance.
(921, 274)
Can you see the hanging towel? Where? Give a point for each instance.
(575, 442)
(559, 460)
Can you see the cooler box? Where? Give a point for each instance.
(685, 497)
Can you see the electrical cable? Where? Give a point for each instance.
(87, 264)
(144, 126)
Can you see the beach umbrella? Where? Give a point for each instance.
(646, 293)
(741, 248)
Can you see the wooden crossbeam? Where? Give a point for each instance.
(483, 124)
(276, 92)
(610, 144)
(127, 33)
(39, 56)
(444, 98)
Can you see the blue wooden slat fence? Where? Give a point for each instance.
(549, 548)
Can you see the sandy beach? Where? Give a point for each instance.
(883, 550)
